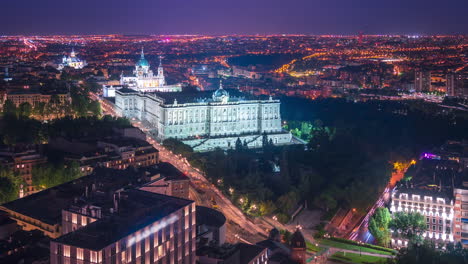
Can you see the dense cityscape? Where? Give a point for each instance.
(235, 148)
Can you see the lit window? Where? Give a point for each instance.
(74, 219)
(66, 251)
(93, 255)
(138, 250)
(79, 253)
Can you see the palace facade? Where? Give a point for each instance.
(205, 119)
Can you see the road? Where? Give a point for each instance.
(361, 232)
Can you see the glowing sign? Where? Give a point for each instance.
(431, 156)
(152, 230)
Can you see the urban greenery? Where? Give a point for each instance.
(28, 131)
(426, 253)
(378, 226)
(408, 225)
(10, 184)
(49, 175)
(356, 247)
(356, 258)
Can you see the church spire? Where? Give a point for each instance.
(73, 53)
(142, 53)
(221, 84)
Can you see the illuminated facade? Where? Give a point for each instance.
(72, 61)
(461, 214)
(435, 206)
(144, 80)
(457, 85)
(206, 120)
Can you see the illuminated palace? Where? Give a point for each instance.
(72, 61)
(144, 80)
(204, 119)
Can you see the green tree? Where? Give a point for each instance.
(409, 225)
(326, 201)
(39, 109)
(267, 208)
(25, 109)
(378, 226)
(10, 184)
(47, 176)
(95, 108)
(9, 108)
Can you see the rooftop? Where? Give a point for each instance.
(46, 206)
(137, 209)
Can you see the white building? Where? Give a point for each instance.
(72, 61)
(205, 120)
(144, 80)
(437, 207)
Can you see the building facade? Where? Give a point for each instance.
(461, 214)
(205, 120)
(457, 85)
(34, 97)
(436, 207)
(144, 80)
(422, 81)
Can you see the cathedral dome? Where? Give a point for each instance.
(143, 62)
(221, 94)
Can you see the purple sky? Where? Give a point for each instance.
(233, 16)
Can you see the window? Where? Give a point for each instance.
(79, 253)
(433, 228)
(66, 251)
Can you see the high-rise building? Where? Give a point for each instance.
(422, 81)
(457, 85)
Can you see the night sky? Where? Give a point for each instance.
(233, 16)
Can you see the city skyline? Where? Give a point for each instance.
(240, 17)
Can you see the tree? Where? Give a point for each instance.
(264, 140)
(10, 184)
(239, 146)
(47, 176)
(39, 109)
(267, 207)
(326, 201)
(95, 108)
(25, 109)
(9, 108)
(409, 225)
(287, 202)
(378, 226)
